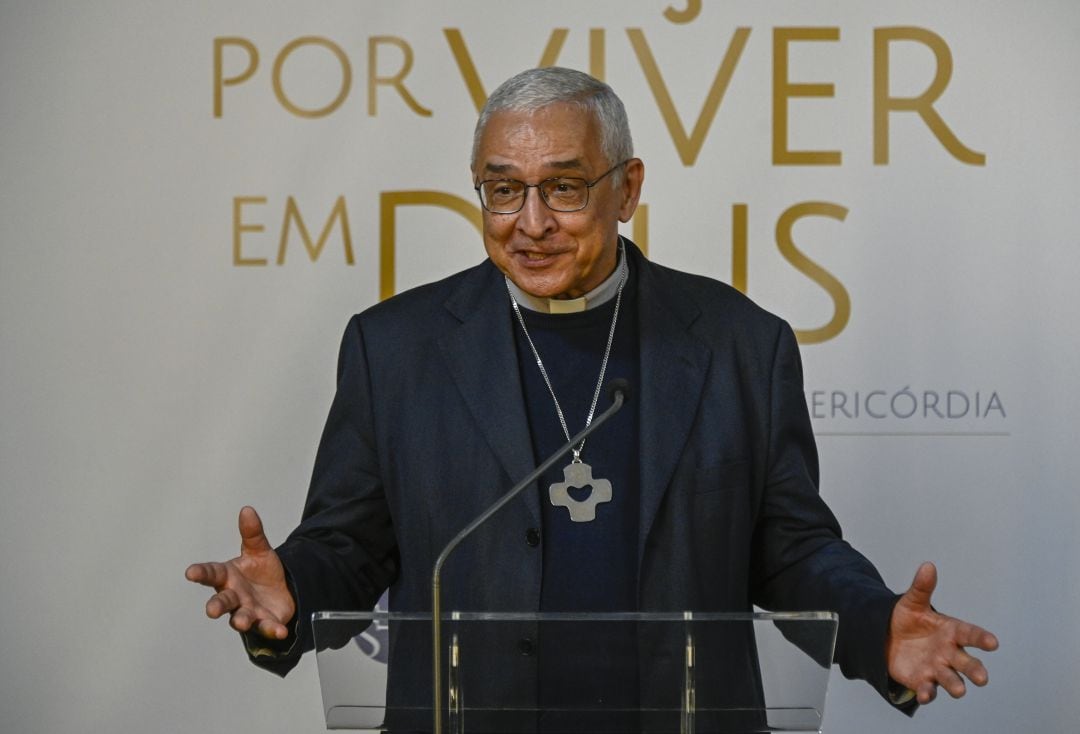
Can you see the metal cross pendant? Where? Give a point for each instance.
(578, 474)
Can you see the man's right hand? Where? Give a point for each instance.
(250, 588)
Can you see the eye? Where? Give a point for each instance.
(566, 191)
(502, 191)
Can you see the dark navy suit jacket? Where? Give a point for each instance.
(428, 428)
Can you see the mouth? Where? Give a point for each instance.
(535, 257)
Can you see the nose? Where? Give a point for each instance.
(535, 219)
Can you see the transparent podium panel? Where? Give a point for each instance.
(574, 673)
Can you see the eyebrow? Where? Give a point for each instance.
(504, 168)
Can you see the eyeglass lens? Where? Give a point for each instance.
(561, 194)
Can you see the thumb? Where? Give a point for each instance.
(252, 538)
(923, 585)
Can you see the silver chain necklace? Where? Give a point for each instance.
(576, 474)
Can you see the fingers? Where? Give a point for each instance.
(243, 616)
(923, 585)
(251, 589)
(961, 662)
(223, 602)
(949, 675)
(272, 630)
(972, 668)
(243, 619)
(207, 574)
(248, 619)
(252, 541)
(927, 649)
(252, 538)
(951, 681)
(971, 635)
(947, 678)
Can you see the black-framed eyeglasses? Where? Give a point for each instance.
(560, 194)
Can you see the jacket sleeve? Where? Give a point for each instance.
(801, 562)
(343, 555)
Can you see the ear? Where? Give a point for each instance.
(633, 178)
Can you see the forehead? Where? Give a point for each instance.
(559, 136)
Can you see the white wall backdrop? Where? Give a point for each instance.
(159, 368)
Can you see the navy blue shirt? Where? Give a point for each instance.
(587, 566)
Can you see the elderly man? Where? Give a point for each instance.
(449, 393)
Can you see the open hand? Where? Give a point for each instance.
(250, 588)
(926, 649)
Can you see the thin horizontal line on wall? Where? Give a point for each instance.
(916, 434)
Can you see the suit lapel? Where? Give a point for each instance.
(482, 361)
(674, 364)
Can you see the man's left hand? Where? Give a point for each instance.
(925, 649)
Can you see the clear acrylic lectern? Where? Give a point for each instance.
(666, 673)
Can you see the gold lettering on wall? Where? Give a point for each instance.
(346, 76)
(687, 14)
(639, 224)
(337, 214)
(739, 246)
(786, 244)
(220, 81)
(468, 69)
(783, 90)
(688, 146)
(922, 104)
(239, 202)
(396, 80)
(597, 54)
(389, 201)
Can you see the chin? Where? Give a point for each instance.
(539, 287)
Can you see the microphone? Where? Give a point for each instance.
(618, 390)
(619, 385)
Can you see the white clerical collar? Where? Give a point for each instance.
(598, 296)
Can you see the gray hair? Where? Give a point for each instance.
(534, 89)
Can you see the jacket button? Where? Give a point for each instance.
(532, 537)
(526, 646)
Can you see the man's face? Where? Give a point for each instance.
(546, 253)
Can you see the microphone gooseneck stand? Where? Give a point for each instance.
(618, 389)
